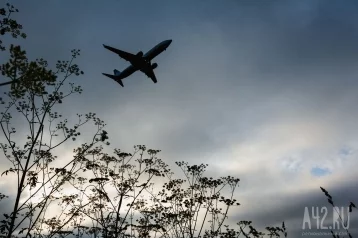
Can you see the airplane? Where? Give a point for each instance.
(138, 62)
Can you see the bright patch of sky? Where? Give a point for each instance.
(317, 171)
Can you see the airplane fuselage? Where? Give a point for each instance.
(140, 63)
(143, 63)
(156, 50)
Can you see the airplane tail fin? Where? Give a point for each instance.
(116, 72)
(114, 77)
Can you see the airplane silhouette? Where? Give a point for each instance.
(138, 62)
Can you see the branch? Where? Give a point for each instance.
(9, 82)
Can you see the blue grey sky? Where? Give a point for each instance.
(262, 90)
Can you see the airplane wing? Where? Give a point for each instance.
(125, 55)
(151, 75)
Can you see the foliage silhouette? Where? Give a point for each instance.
(344, 222)
(34, 98)
(9, 26)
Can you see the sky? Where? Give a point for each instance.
(261, 90)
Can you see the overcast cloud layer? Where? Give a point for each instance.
(266, 91)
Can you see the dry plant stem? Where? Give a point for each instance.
(34, 141)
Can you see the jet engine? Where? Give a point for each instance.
(154, 65)
(140, 53)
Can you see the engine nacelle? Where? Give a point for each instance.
(140, 53)
(154, 65)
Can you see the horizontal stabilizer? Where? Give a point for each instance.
(115, 78)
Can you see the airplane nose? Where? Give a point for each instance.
(169, 42)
